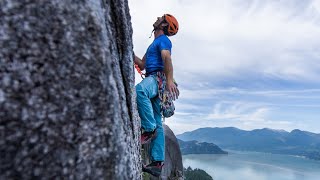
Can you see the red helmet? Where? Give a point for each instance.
(173, 26)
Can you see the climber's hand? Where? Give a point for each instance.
(172, 88)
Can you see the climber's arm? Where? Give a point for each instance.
(140, 62)
(168, 70)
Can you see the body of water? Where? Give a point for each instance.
(254, 166)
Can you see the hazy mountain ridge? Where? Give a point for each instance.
(195, 147)
(296, 142)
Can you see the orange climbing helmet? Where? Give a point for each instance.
(173, 26)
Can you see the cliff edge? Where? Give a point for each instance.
(67, 91)
(67, 96)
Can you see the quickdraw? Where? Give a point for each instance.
(139, 71)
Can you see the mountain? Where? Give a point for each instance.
(195, 147)
(296, 142)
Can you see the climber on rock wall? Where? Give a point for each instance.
(159, 80)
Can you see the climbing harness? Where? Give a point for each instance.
(166, 99)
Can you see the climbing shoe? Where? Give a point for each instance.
(146, 137)
(153, 168)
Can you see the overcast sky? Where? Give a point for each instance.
(243, 63)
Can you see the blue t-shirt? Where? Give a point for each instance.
(154, 61)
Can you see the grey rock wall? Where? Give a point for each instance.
(67, 105)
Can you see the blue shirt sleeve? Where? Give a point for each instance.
(165, 44)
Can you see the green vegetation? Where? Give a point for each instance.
(146, 176)
(196, 174)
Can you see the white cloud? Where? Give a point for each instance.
(224, 38)
(207, 93)
(242, 111)
(255, 41)
(187, 106)
(216, 93)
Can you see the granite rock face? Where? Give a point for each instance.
(67, 95)
(173, 167)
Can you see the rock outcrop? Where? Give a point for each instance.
(173, 168)
(67, 91)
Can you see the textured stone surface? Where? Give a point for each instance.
(67, 91)
(173, 168)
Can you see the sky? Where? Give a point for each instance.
(249, 64)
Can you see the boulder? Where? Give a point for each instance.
(172, 168)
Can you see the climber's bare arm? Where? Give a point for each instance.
(168, 70)
(140, 62)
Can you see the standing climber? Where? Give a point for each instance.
(158, 65)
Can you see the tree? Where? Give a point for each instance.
(196, 174)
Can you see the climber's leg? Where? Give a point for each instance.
(146, 89)
(158, 143)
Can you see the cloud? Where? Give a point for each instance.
(215, 93)
(242, 111)
(187, 107)
(239, 62)
(222, 38)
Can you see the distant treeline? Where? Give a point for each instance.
(196, 174)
